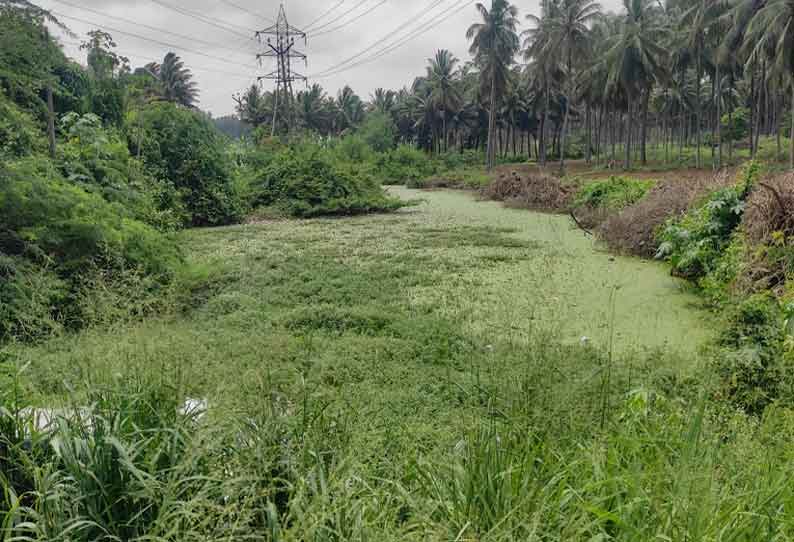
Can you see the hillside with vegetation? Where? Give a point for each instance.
(543, 293)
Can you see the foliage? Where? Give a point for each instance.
(371, 403)
(404, 165)
(736, 125)
(695, 243)
(306, 181)
(19, 134)
(378, 132)
(28, 57)
(98, 160)
(614, 193)
(54, 235)
(752, 371)
(184, 148)
(175, 80)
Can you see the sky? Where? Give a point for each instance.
(364, 43)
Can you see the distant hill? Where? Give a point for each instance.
(232, 126)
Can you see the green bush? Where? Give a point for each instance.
(53, 235)
(98, 160)
(751, 368)
(184, 148)
(405, 164)
(695, 243)
(353, 149)
(614, 193)
(378, 132)
(19, 135)
(306, 181)
(736, 126)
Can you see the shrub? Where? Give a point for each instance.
(751, 368)
(695, 243)
(378, 132)
(19, 135)
(97, 160)
(353, 149)
(634, 230)
(736, 126)
(405, 165)
(612, 194)
(305, 181)
(184, 148)
(53, 236)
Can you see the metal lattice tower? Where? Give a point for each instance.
(280, 38)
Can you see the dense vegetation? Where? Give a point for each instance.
(458, 371)
(130, 162)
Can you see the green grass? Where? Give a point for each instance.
(415, 376)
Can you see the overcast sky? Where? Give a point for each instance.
(348, 32)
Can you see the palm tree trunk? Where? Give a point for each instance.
(492, 125)
(719, 117)
(791, 152)
(628, 132)
(699, 108)
(644, 125)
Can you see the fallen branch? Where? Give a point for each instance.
(579, 224)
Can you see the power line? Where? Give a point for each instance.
(325, 13)
(426, 27)
(146, 58)
(344, 14)
(248, 11)
(143, 25)
(351, 21)
(162, 43)
(228, 27)
(394, 32)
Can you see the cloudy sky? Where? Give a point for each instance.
(364, 43)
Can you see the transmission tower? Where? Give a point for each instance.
(280, 38)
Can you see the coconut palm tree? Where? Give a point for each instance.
(382, 101)
(494, 46)
(776, 20)
(441, 75)
(636, 58)
(564, 32)
(176, 80)
(312, 108)
(350, 109)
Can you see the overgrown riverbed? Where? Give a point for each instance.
(416, 376)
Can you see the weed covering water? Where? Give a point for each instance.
(356, 393)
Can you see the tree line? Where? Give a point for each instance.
(576, 81)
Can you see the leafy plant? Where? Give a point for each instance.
(694, 243)
(53, 235)
(305, 181)
(613, 194)
(185, 149)
(404, 165)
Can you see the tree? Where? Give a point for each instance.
(565, 32)
(313, 109)
(494, 46)
(103, 61)
(383, 101)
(349, 109)
(254, 107)
(441, 79)
(776, 19)
(176, 80)
(636, 58)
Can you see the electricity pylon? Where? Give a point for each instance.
(280, 38)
